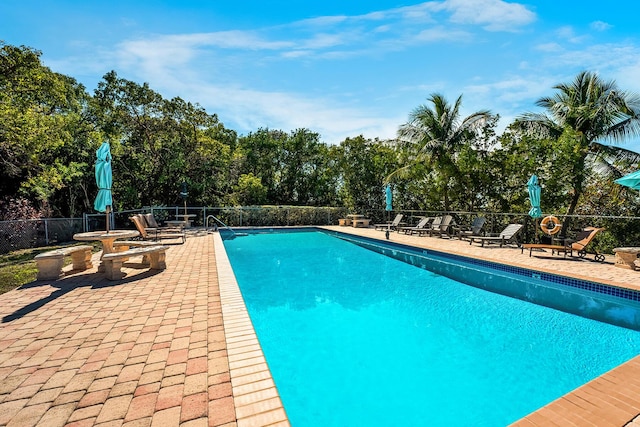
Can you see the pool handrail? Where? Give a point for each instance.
(219, 221)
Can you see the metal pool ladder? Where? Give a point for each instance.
(233, 233)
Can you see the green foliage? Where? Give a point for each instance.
(434, 137)
(249, 191)
(50, 129)
(579, 118)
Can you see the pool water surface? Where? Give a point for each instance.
(356, 338)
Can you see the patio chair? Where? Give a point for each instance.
(474, 229)
(149, 222)
(508, 235)
(392, 225)
(424, 222)
(154, 233)
(442, 229)
(583, 239)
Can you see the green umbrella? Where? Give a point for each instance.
(534, 197)
(632, 180)
(104, 180)
(388, 198)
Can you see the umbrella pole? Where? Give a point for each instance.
(107, 212)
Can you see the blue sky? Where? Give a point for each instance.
(339, 68)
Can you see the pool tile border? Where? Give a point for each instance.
(611, 290)
(256, 398)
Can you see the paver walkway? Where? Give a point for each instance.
(148, 350)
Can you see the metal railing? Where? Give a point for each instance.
(24, 234)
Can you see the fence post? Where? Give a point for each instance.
(46, 232)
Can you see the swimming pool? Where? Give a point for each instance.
(353, 338)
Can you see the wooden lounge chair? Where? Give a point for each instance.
(473, 230)
(554, 248)
(506, 236)
(424, 222)
(392, 225)
(583, 239)
(156, 234)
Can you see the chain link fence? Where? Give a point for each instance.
(33, 233)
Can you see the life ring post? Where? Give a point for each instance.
(550, 225)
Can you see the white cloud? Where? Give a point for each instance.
(549, 47)
(492, 15)
(442, 34)
(567, 33)
(600, 26)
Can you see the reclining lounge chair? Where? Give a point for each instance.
(506, 236)
(473, 230)
(420, 226)
(442, 229)
(583, 239)
(389, 225)
(154, 233)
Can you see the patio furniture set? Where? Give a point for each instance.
(115, 250)
(625, 257)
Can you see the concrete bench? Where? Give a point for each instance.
(113, 262)
(50, 263)
(361, 222)
(125, 245)
(626, 258)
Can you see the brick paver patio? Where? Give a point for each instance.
(148, 350)
(153, 349)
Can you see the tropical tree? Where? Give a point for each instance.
(363, 164)
(581, 118)
(433, 138)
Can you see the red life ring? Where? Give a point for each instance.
(550, 225)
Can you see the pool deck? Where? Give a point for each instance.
(176, 347)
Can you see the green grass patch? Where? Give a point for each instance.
(19, 268)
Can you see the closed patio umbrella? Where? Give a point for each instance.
(534, 197)
(632, 180)
(104, 179)
(388, 198)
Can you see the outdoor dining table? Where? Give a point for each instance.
(358, 220)
(186, 219)
(106, 238)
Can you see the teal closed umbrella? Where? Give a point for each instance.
(104, 180)
(632, 180)
(534, 197)
(388, 198)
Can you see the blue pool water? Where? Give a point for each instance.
(355, 338)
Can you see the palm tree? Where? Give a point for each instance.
(583, 115)
(434, 136)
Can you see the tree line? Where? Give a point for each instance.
(51, 127)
